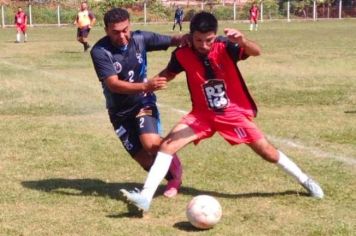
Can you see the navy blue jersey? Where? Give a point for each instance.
(178, 15)
(130, 64)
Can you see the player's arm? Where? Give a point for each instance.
(173, 68)
(123, 87)
(108, 75)
(166, 74)
(180, 40)
(92, 19)
(75, 22)
(250, 48)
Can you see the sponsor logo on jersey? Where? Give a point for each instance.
(118, 67)
(139, 57)
(215, 94)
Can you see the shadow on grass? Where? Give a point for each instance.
(96, 187)
(71, 52)
(187, 226)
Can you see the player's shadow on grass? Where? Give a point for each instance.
(194, 192)
(80, 187)
(71, 52)
(96, 187)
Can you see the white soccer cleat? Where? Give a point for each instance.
(136, 199)
(313, 188)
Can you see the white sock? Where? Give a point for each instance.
(251, 27)
(18, 37)
(25, 37)
(291, 168)
(156, 174)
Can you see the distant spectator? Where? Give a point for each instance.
(178, 18)
(85, 21)
(254, 13)
(21, 25)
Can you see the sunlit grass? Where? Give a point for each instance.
(61, 165)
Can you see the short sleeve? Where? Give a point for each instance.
(173, 65)
(103, 63)
(155, 42)
(236, 52)
(91, 15)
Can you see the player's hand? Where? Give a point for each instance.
(186, 40)
(235, 36)
(156, 83)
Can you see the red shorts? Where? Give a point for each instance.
(253, 19)
(235, 129)
(21, 27)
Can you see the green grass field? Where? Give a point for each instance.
(61, 165)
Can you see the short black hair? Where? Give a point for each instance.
(203, 22)
(116, 15)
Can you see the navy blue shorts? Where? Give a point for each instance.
(129, 130)
(83, 33)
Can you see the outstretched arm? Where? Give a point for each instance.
(119, 86)
(251, 48)
(180, 40)
(165, 75)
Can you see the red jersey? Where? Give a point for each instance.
(228, 92)
(254, 12)
(21, 18)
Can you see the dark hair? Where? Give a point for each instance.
(115, 15)
(203, 22)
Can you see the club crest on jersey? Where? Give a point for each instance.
(215, 94)
(139, 57)
(118, 67)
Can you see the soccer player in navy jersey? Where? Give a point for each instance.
(120, 62)
(178, 18)
(220, 103)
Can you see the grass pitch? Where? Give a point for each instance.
(61, 166)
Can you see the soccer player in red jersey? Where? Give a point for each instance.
(21, 25)
(254, 13)
(220, 103)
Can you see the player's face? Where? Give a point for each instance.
(119, 33)
(83, 6)
(202, 42)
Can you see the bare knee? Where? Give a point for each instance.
(266, 150)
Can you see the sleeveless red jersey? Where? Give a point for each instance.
(20, 18)
(223, 57)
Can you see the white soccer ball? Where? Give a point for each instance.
(204, 211)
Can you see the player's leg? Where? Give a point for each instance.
(18, 34)
(24, 33)
(251, 24)
(174, 24)
(180, 136)
(180, 26)
(79, 36)
(256, 24)
(241, 129)
(85, 34)
(147, 122)
(269, 153)
(188, 130)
